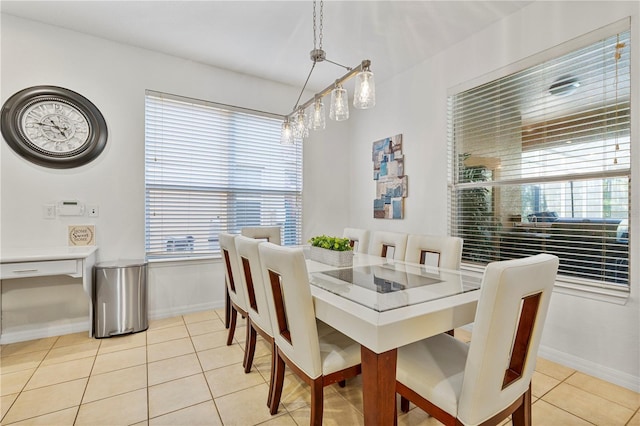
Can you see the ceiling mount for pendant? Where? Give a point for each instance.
(318, 55)
(297, 124)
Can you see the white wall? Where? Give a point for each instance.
(114, 77)
(594, 336)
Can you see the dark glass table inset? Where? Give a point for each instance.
(392, 284)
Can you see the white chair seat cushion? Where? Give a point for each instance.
(434, 369)
(337, 352)
(323, 328)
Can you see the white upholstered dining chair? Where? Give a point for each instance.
(358, 238)
(259, 319)
(381, 241)
(320, 356)
(268, 233)
(434, 250)
(236, 301)
(490, 378)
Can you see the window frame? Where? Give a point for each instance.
(572, 285)
(229, 141)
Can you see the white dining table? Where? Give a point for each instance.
(385, 304)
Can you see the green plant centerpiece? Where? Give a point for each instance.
(334, 251)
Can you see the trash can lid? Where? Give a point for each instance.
(121, 263)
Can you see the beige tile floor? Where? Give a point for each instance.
(180, 372)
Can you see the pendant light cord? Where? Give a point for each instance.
(314, 23)
(315, 46)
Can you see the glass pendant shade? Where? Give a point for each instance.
(365, 93)
(308, 123)
(286, 136)
(339, 110)
(318, 117)
(300, 129)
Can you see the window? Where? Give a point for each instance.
(211, 169)
(540, 162)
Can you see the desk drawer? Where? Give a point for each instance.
(38, 269)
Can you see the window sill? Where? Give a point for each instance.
(574, 287)
(190, 260)
(566, 285)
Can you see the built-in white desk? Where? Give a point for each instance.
(76, 262)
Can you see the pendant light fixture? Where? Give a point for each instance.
(296, 124)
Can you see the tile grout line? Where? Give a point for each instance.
(195, 351)
(84, 392)
(563, 409)
(35, 370)
(635, 413)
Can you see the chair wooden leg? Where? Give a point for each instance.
(522, 415)
(227, 307)
(278, 382)
(273, 372)
(404, 404)
(249, 347)
(232, 325)
(317, 402)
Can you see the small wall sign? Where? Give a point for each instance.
(82, 235)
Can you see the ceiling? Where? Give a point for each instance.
(272, 39)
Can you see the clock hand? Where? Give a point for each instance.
(54, 125)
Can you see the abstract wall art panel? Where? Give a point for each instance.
(391, 182)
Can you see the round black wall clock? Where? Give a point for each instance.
(53, 127)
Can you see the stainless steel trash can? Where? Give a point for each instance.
(119, 298)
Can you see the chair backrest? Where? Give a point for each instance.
(269, 233)
(251, 274)
(510, 316)
(359, 239)
(232, 270)
(291, 306)
(381, 241)
(434, 250)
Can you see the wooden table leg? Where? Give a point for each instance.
(379, 386)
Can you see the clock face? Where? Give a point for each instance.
(53, 127)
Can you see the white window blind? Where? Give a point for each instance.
(540, 162)
(211, 169)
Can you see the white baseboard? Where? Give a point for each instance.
(591, 368)
(40, 331)
(183, 310)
